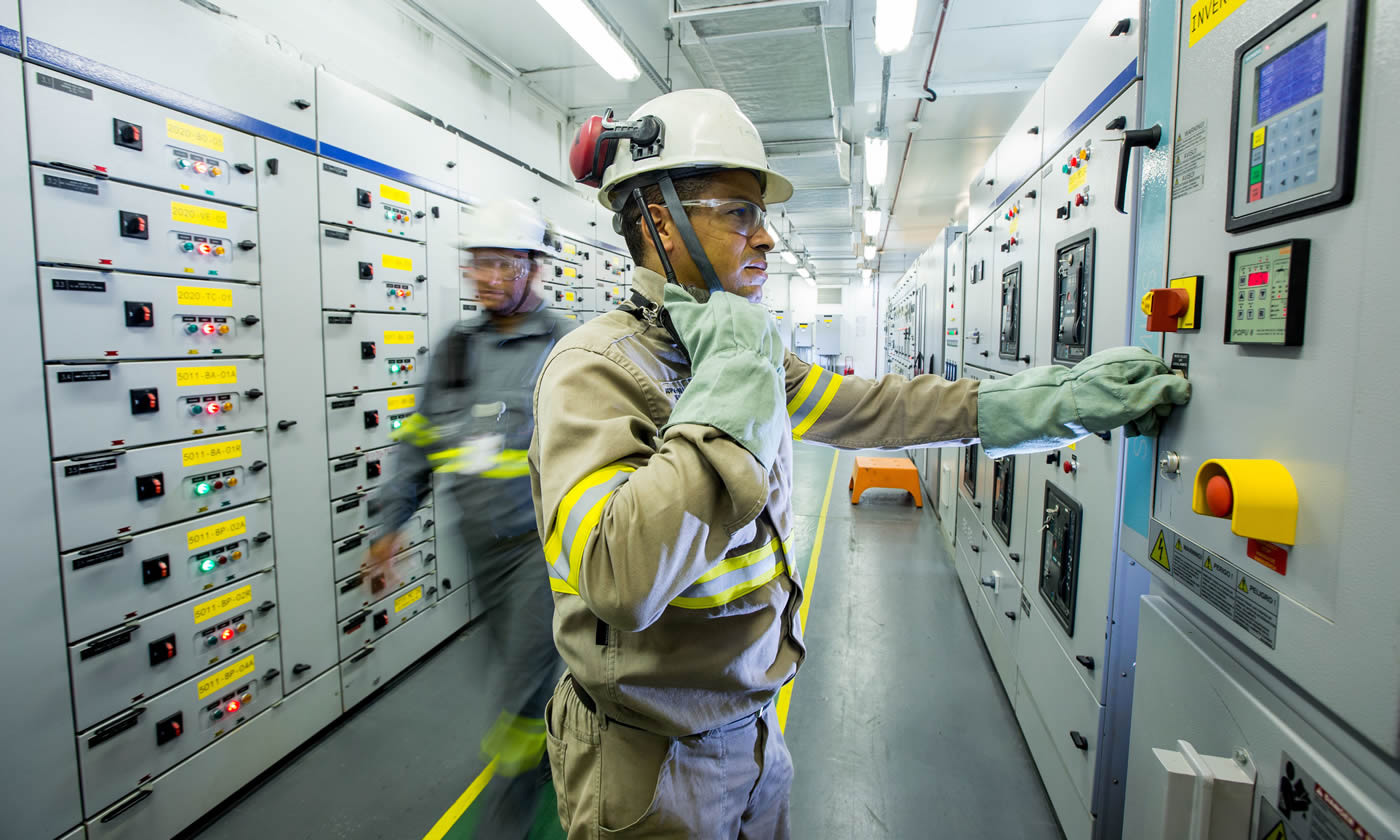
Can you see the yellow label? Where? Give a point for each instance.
(569, 296)
(1259, 134)
(191, 215)
(569, 249)
(1207, 14)
(194, 135)
(1015, 226)
(570, 272)
(396, 403)
(218, 532)
(222, 604)
(186, 377)
(193, 456)
(394, 194)
(398, 263)
(197, 296)
(231, 674)
(398, 336)
(1077, 178)
(408, 599)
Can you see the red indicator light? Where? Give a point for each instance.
(212, 408)
(208, 329)
(201, 167)
(226, 634)
(205, 248)
(233, 706)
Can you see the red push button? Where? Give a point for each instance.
(1220, 496)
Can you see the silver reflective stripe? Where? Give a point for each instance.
(809, 403)
(729, 580)
(578, 512)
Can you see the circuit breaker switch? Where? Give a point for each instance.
(1165, 309)
(1257, 495)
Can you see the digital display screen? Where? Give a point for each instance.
(1292, 76)
(1258, 278)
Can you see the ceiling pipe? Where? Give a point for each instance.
(909, 141)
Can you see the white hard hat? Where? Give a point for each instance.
(506, 223)
(701, 129)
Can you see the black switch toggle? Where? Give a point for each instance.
(373, 469)
(133, 225)
(250, 320)
(363, 198)
(257, 466)
(171, 728)
(558, 271)
(367, 350)
(150, 486)
(247, 245)
(162, 650)
(127, 135)
(253, 393)
(381, 619)
(422, 278)
(155, 570)
(145, 400)
(371, 419)
(140, 313)
(366, 271)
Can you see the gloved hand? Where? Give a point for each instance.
(736, 358)
(1048, 407)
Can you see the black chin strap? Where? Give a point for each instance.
(692, 242)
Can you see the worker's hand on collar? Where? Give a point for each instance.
(1049, 407)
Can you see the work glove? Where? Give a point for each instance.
(1048, 407)
(736, 359)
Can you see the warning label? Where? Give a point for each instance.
(1189, 161)
(1305, 810)
(1243, 599)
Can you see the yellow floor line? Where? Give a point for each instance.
(785, 696)
(449, 819)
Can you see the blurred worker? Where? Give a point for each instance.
(475, 425)
(662, 470)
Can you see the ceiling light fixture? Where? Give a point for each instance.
(877, 158)
(865, 274)
(894, 25)
(789, 257)
(870, 251)
(802, 270)
(575, 18)
(872, 221)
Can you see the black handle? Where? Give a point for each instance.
(1132, 138)
(1015, 558)
(422, 278)
(272, 164)
(284, 425)
(135, 799)
(977, 505)
(265, 607)
(262, 538)
(976, 549)
(985, 352)
(245, 168)
(1121, 28)
(247, 245)
(68, 167)
(257, 466)
(1010, 614)
(362, 654)
(428, 524)
(1117, 124)
(452, 164)
(1035, 129)
(1032, 194)
(1053, 459)
(430, 558)
(300, 668)
(302, 104)
(352, 583)
(252, 393)
(1104, 435)
(250, 320)
(1026, 359)
(271, 675)
(1086, 661)
(1079, 740)
(420, 214)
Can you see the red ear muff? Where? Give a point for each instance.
(591, 153)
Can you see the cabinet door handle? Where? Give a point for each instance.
(1086, 661)
(1132, 138)
(1080, 742)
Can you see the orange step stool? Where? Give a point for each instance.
(894, 473)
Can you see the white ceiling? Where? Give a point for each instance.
(991, 57)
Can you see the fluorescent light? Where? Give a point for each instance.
(877, 159)
(575, 18)
(865, 274)
(802, 270)
(789, 257)
(872, 221)
(894, 25)
(870, 251)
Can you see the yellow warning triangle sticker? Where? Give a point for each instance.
(1278, 833)
(1244, 585)
(1159, 551)
(1209, 565)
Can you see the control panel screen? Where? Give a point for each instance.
(1292, 76)
(1267, 288)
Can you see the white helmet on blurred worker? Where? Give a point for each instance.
(697, 130)
(506, 223)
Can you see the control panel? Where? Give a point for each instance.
(1059, 555)
(1073, 316)
(1010, 346)
(358, 199)
(367, 351)
(1295, 122)
(364, 421)
(387, 613)
(363, 589)
(364, 271)
(1003, 496)
(1266, 294)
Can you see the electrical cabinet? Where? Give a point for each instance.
(84, 220)
(76, 126)
(122, 752)
(369, 351)
(365, 421)
(359, 199)
(358, 471)
(980, 321)
(366, 271)
(113, 582)
(386, 614)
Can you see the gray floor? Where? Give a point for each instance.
(898, 727)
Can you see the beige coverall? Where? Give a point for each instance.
(676, 594)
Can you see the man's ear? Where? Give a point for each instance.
(661, 217)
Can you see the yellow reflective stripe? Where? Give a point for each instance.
(561, 586)
(446, 454)
(578, 536)
(816, 414)
(738, 562)
(417, 430)
(737, 591)
(807, 385)
(585, 527)
(512, 463)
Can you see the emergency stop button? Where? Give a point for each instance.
(1257, 495)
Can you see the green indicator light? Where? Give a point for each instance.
(209, 565)
(393, 368)
(397, 423)
(202, 488)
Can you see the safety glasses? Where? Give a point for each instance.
(743, 217)
(496, 265)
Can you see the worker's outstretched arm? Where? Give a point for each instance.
(631, 519)
(1042, 408)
